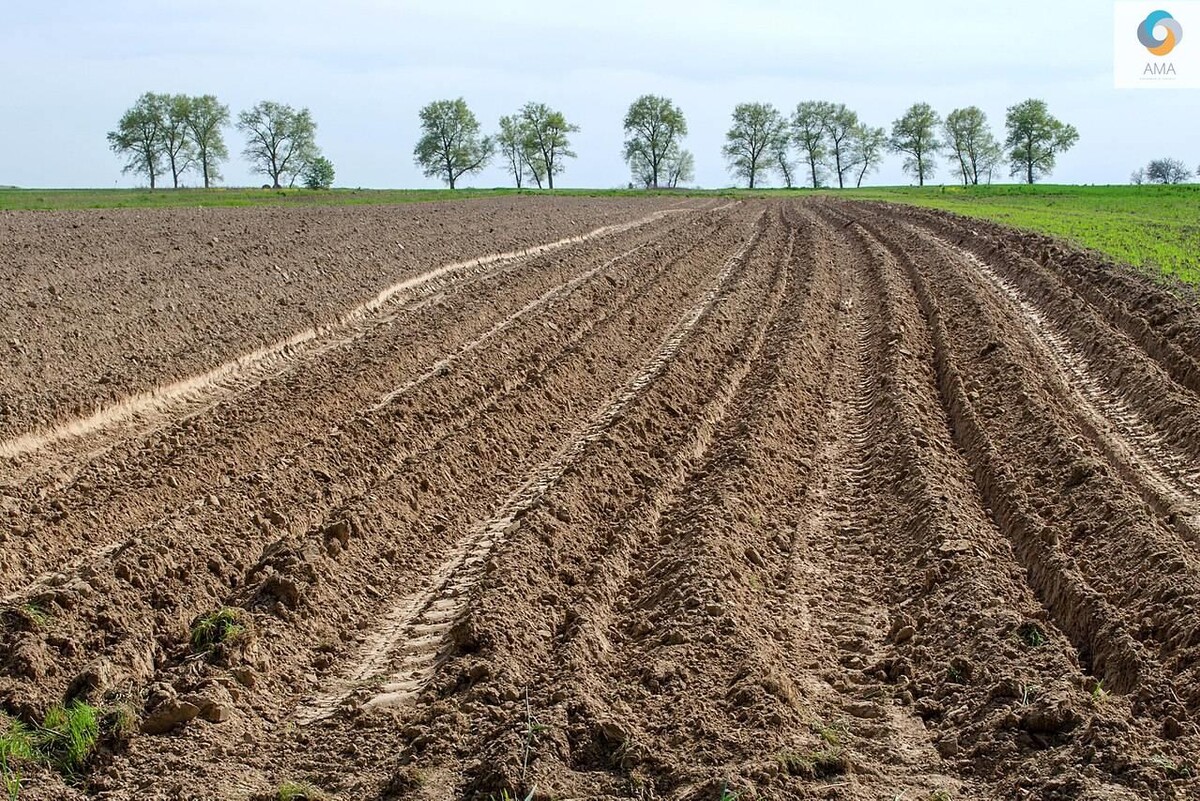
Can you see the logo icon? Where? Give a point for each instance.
(1160, 19)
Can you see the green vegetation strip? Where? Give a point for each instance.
(1156, 228)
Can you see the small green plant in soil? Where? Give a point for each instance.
(67, 737)
(1173, 769)
(830, 733)
(820, 764)
(226, 625)
(506, 796)
(16, 746)
(64, 741)
(39, 616)
(1032, 635)
(300, 791)
(729, 795)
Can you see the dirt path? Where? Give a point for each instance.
(783, 500)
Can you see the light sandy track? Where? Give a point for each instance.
(416, 629)
(1170, 481)
(144, 413)
(442, 365)
(438, 368)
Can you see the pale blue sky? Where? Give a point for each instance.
(365, 67)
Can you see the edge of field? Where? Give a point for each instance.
(1153, 228)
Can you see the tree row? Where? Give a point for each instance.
(818, 142)
(165, 134)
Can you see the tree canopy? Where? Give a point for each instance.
(916, 135)
(755, 135)
(140, 137)
(1035, 138)
(451, 145)
(654, 127)
(547, 140)
(280, 141)
(973, 148)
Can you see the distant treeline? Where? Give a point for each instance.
(818, 144)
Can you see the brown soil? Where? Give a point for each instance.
(783, 500)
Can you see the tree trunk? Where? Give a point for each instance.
(920, 171)
(837, 158)
(549, 177)
(1029, 170)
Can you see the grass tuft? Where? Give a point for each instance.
(16, 746)
(821, 764)
(226, 625)
(300, 791)
(68, 736)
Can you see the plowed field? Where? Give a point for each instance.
(674, 499)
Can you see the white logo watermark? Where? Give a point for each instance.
(1156, 44)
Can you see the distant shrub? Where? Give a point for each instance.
(318, 173)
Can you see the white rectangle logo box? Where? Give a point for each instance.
(1156, 44)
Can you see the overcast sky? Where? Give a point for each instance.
(365, 67)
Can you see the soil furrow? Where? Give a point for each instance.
(417, 627)
(175, 474)
(1172, 419)
(1128, 637)
(768, 499)
(147, 565)
(1164, 322)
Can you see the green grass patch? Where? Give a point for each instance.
(1156, 228)
(64, 741)
(226, 625)
(300, 791)
(67, 737)
(16, 746)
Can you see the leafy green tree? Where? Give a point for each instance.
(680, 167)
(973, 148)
(205, 117)
(140, 136)
(839, 124)
(318, 173)
(513, 145)
(916, 135)
(178, 147)
(1035, 138)
(867, 148)
(451, 145)
(654, 127)
(547, 140)
(808, 129)
(755, 135)
(783, 161)
(279, 140)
